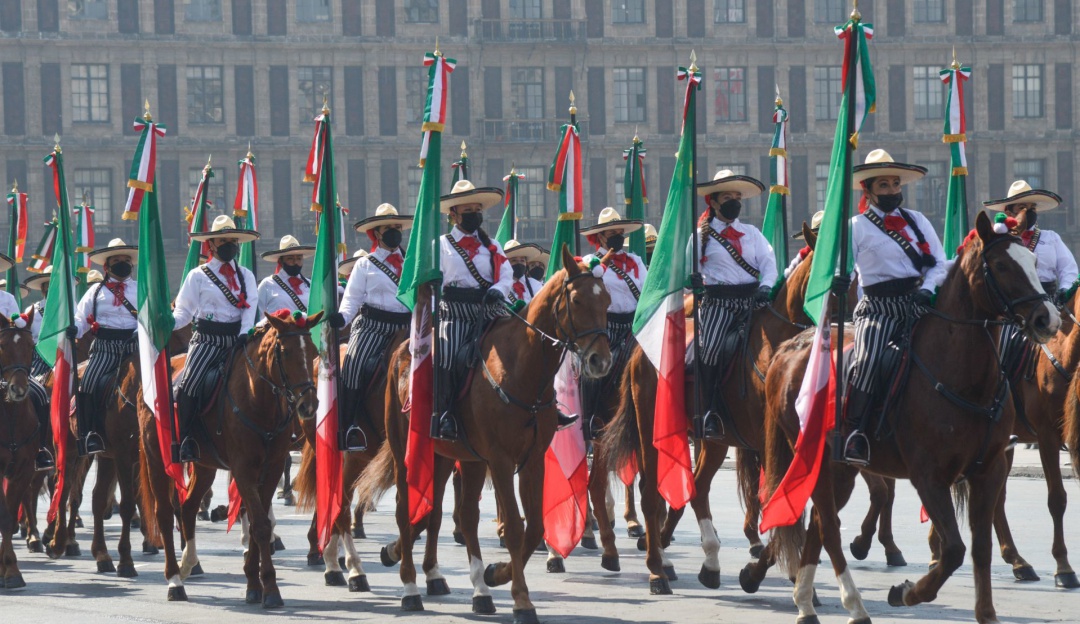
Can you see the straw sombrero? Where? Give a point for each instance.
(36, 281)
(23, 290)
(879, 163)
(225, 227)
(650, 235)
(6, 262)
(116, 247)
(815, 224)
(728, 180)
(610, 219)
(346, 267)
(385, 214)
(1021, 191)
(93, 276)
(289, 246)
(529, 251)
(465, 193)
(544, 256)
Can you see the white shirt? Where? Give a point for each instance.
(622, 299)
(878, 258)
(456, 274)
(531, 288)
(39, 311)
(369, 285)
(272, 297)
(794, 264)
(718, 267)
(110, 315)
(1053, 260)
(8, 306)
(199, 298)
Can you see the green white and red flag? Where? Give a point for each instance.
(246, 208)
(196, 219)
(660, 322)
(84, 243)
(42, 257)
(566, 471)
(143, 164)
(774, 226)
(565, 177)
(634, 192)
(955, 136)
(508, 226)
(16, 244)
(439, 70)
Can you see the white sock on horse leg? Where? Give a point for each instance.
(245, 532)
(552, 554)
(352, 559)
(433, 574)
(710, 544)
(804, 590)
(330, 553)
(850, 596)
(476, 575)
(609, 501)
(411, 589)
(189, 558)
(175, 581)
(664, 561)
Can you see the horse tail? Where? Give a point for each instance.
(787, 541)
(305, 481)
(1072, 428)
(748, 471)
(149, 503)
(377, 478)
(961, 492)
(622, 440)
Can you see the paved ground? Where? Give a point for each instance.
(70, 590)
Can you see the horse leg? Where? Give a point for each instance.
(634, 529)
(201, 482)
(358, 522)
(314, 557)
(436, 582)
(257, 504)
(502, 476)
(58, 545)
(838, 485)
(710, 459)
(599, 493)
(160, 495)
(893, 556)
(30, 506)
(984, 493)
(652, 509)
(102, 497)
(410, 600)
(125, 477)
(1056, 501)
(459, 537)
(17, 482)
(938, 503)
(860, 546)
(470, 484)
(748, 468)
(1022, 570)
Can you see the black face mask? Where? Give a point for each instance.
(470, 222)
(519, 270)
(292, 270)
(730, 209)
(391, 238)
(1032, 217)
(615, 242)
(537, 273)
(888, 203)
(120, 269)
(227, 252)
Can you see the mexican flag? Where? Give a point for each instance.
(774, 226)
(141, 178)
(84, 243)
(955, 136)
(565, 177)
(508, 225)
(460, 167)
(246, 208)
(634, 192)
(16, 247)
(566, 471)
(196, 218)
(42, 258)
(660, 323)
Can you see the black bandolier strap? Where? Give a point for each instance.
(124, 300)
(735, 255)
(225, 290)
(917, 258)
(292, 294)
(385, 269)
(1034, 242)
(629, 282)
(469, 264)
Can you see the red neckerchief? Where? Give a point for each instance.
(626, 263)
(230, 276)
(117, 289)
(395, 260)
(896, 223)
(733, 235)
(519, 290)
(296, 283)
(1026, 237)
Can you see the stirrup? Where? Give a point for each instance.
(353, 440)
(590, 429)
(1013, 441)
(709, 427)
(189, 450)
(850, 455)
(566, 420)
(93, 444)
(451, 432)
(44, 461)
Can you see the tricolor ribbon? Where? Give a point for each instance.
(693, 80)
(19, 222)
(565, 174)
(778, 166)
(84, 236)
(955, 132)
(43, 256)
(865, 91)
(439, 70)
(246, 204)
(141, 178)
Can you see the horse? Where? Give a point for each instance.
(19, 438)
(245, 429)
(519, 358)
(951, 422)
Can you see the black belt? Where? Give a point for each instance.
(1049, 287)
(384, 316)
(463, 295)
(621, 318)
(893, 288)
(105, 333)
(727, 291)
(214, 328)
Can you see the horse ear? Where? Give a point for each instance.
(809, 236)
(274, 321)
(983, 226)
(569, 263)
(314, 318)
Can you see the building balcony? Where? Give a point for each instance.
(528, 30)
(528, 130)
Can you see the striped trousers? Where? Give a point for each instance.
(620, 337)
(718, 317)
(367, 348)
(1014, 351)
(877, 321)
(205, 352)
(38, 366)
(460, 325)
(102, 367)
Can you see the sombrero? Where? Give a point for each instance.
(650, 235)
(1021, 191)
(23, 290)
(815, 224)
(544, 256)
(385, 214)
(116, 247)
(225, 227)
(36, 281)
(529, 251)
(727, 180)
(610, 219)
(465, 193)
(289, 246)
(94, 276)
(6, 262)
(346, 267)
(879, 163)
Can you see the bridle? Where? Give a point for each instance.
(1007, 306)
(571, 344)
(5, 369)
(291, 393)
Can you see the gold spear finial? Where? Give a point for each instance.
(513, 169)
(573, 106)
(249, 154)
(693, 62)
(15, 186)
(146, 108)
(325, 106)
(955, 63)
(56, 141)
(208, 157)
(463, 154)
(855, 15)
(437, 51)
(779, 100)
(85, 198)
(636, 139)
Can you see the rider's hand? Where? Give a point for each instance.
(763, 296)
(71, 332)
(493, 296)
(697, 280)
(924, 298)
(1061, 297)
(517, 306)
(840, 284)
(336, 320)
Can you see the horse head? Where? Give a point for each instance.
(580, 310)
(1001, 271)
(16, 354)
(291, 360)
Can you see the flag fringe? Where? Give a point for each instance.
(780, 189)
(140, 185)
(570, 216)
(959, 171)
(954, 138)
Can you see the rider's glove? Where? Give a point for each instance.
(493, 296)
(924, 298)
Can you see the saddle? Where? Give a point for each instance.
(890, 378)
(208, 388)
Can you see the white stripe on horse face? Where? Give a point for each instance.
(1026, 260)
(596, 290)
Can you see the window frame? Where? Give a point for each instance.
(315, 97)
(103, 217)
(625, 12)
(417, 96)
(932, 191)
(307, 11)
(1027, 8)
(824, 11)
(104, 7)
(832, 95)
(534, 222)
(921, 11)
(521, 9)
(931, 84)
(742, 95)
(1022, 98)
(411, 10)
(728, 9)
(90, 94)
(203, 6)
(203, 118)
(628, 96)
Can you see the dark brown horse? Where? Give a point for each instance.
(19, 439)
(247, 429)
(951, 422)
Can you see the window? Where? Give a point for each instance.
(929, 11)
(1027, 91)
(821, 181)
(96, 184)
(216, 196)
(412, 180)
(421, 11)
(730, 102)
(525, 9)
(736, 169)
(828, 88)
(90, 93)
(527, 102)
(315, 83)
(313, 10)
(202, 10)
(1028, 11)
(628, 11)
(931, 192)
(831, 11)
(1031, 171)
(533, 223)
(929, 92)
(629, 94)
(205, 95)
(730, 12)
(416, 83)
(87, 9)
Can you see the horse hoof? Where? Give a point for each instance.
(203, 515)
(177, 594)
(502, 542)
(315, 559)
(412, 603)
(106, 566)
(483, 605)
(489, 575)
(459, 538)
(288, 500)
(525, 616)
(747, 581)
(72, 550)
(278, 546)
(384, 556)
(556, 566)
(588, 543)
(197, 570)
(865, 620)
(896, 594)
(708, 578)
(254, 596)
(35, 547)
(814, 600)
(272, 600)
(218, 514)
(635, 531)
(610, 563)
(148, 548)
(438, 587)
(808, 619)
(756, 550)
(334, 579)
(1067, 580)
(126, 570)
(79, 522)
(135, 522)
(641, 546)
(669, 572)
(859, 551)
(14, 582)
(895, 560)
(358, 532)
(1025, 573)
(359, 584)
(659, 586)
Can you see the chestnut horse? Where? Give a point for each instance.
(519, 361)
(247, 429)
(951, 422)
(19, 439)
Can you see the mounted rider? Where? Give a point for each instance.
(38, 283)
(815, 227)
(900, 263)
(215, 297)
(736, 270)
(520, 256)
(291, 290)
(650, 242)
(371, 299)
(538, 266)
(108, 313)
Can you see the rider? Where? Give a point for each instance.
(106, 311)
(538, 267)
(520, 255)
(215, 297)
(900, 264)
(650, 242)
(737, 270)
(289, 292)
(815, 226)
(624, 274)
(39, 283)
(371, 299)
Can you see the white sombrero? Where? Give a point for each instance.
(610, 219)
(93, 276)
(116, 247)
(225, 227)
(728, 180)
(465, 193)
(385, 214)
(23, 290)
(6, 262)
(346, 267)
(38, 280)
(879, 163)
(650, 235)
(815, 224)
(529, 251)
(1021, 191)
(289, 246)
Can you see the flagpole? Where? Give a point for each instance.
(698, 425)
(577, 222)
(333, 352)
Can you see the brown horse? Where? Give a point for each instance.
(19, 439)
(519, 360)
(951, 422)
(247, 430)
